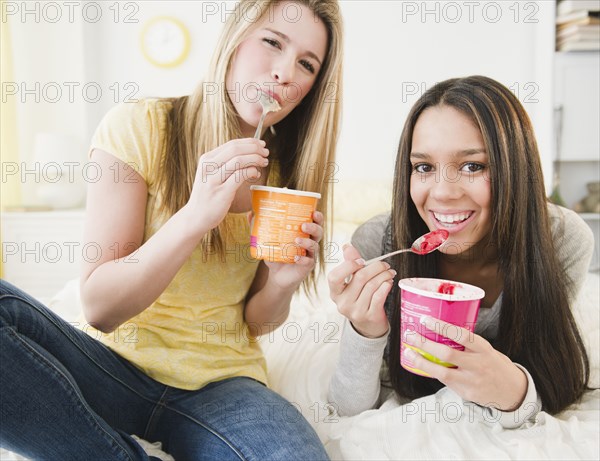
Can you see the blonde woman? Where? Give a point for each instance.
(174, 299)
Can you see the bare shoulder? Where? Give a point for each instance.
(115, 211)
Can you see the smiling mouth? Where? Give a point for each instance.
(451, 220)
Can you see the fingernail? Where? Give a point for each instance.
(298, 240)
(263, 142)
(393, 272)
(346, 245)
(360, 261)
(410, 354)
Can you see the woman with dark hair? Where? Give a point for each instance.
(468, 163)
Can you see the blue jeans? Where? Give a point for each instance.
(65, 396)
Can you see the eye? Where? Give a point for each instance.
(307, 65)
(273, 43)
(472, 167)
(423, 168)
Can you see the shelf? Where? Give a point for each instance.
(578, 160)
(576, 52)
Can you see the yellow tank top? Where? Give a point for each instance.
(194, 333)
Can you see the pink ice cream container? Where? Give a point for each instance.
(453, 302)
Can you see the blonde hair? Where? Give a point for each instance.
(306, 139)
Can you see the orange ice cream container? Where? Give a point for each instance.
(278, 217)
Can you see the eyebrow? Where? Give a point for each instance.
(286, 39)
(460, 153)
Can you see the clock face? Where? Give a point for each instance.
(165, 42)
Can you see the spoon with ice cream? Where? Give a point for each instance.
(269, 104)
(425, 244)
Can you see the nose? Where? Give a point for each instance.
(447, 185)
(283, 70)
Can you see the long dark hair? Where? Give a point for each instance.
(536, 328)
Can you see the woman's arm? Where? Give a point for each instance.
(355, 386)
(128, 276)
(268, 305)
(269, 297)
(482, 375)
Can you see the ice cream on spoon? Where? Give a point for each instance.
(269, 104)
(425, 244)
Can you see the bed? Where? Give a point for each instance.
(302, 354)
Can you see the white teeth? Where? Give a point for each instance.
(451, 218)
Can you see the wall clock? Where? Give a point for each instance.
(165, 41)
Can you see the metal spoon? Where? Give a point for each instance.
(425, 244)
(269, 104)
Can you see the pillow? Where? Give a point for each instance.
(356, 201)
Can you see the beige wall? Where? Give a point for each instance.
(394, 50)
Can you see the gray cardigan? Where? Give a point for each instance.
(357, 382)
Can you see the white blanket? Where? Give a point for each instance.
(302, 356)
